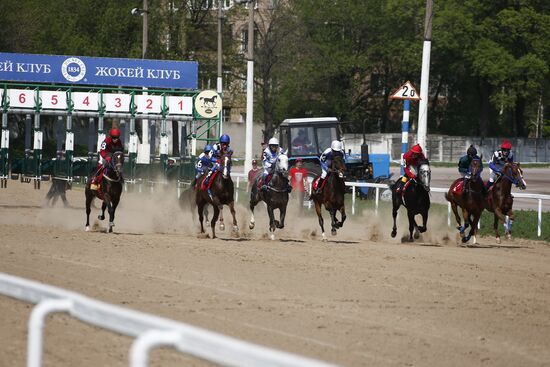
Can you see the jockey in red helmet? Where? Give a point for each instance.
(500, 157)
(412, 160)
(111, 144)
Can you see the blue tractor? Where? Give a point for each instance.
(306, 138)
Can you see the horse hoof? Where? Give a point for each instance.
(475, 241)
(87, 228)
(207, 223)
(333, 232)
(465, 239)
(416, 235)
(422, 229)
(251, 225)
(324, 237)
(411, 239)
(272, 237)
(508, 236)
(222, 227)
(110, 229)
(100, 217)
(498, 240)
(393, 234)
(235, 229)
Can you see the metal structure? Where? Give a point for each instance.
(100, 103)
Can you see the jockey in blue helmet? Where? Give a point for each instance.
(204, 161)
(220, 149)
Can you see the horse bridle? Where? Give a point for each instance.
(513, 180)
(119, 176)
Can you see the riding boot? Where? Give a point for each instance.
(289, 188)
(319, 186)
(205, 182)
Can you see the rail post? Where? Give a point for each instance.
(5, 141)
(38, 140)
(539, 224)
(353, 200)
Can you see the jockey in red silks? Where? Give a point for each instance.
(412, 160)
(110, 145)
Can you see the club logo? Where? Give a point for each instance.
(73, 69)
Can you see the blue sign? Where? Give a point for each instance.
(98, 71)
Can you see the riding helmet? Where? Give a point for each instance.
(114, 133)
(207, 148)
(416, 149)
(273, 141)
(337, 146)
(225, 139)
(506, 145)
(472, 151)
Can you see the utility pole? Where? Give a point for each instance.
(425, 77)
(220, 54)
(249, 88)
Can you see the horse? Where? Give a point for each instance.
(332, 196)
(220, 192)
(416, 198)
(109, 192)
(276, 196)
(58, 190)
(470, 200)
(499, 201)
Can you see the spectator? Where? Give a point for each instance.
(252, 174)
(298, 180)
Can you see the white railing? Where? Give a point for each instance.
(378, 186)
(150, 331)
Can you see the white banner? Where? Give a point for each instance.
(85, 101)
(21, 98)
(115, 102)
(69, 141)
(180, 105)
(148, 104)
(37, 144)
(53, 100)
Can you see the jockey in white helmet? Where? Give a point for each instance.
(269, 158)
(336, 148)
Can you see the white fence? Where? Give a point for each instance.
(150, 331)
(378, 186)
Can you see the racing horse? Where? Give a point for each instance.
(499, 201)
(218, 192)
(470, 200)
(415, 196)
(276, 196)
(109, 192)
(332, 196)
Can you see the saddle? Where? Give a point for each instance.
(457, 186)
(261, 181)
(205, 185)
(315, 183)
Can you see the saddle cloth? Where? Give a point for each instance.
(315, 183)
(206, 185)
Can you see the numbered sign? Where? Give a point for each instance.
(53, 100)
(180, 105)
(148, 104)
(21, 98)
(116, 102)
(85, 101)
(406, 91)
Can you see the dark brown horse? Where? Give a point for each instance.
(416, 198)
(109, 192)
(470, 201)
(276, 196)
(221, 193)
(499, 200)
(332, 196)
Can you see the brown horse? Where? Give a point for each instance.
(110, 191)
(470, 201)
(221, 193)
(332, 196)
(499, 201)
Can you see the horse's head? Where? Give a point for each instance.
(338, 165)
(424, 175)
(475, 169)
(281, 166)
(226, 165)
(117, 161)
(514, 173)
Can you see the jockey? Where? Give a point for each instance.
(110, 145)
(336, 148)
(411, 161)
(204, 162)
(464, 162)
(269, 157)
(498, 160)
(219, 149)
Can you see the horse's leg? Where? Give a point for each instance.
(467, 222)
(474, 221)
(412, 225)
(252, 205)
(271, 222)
(282, 216)
(498, 215)
(206, 220)
(320, 216)
(64, 199)
(396, 205)
(215, 216)
(200, 210)
(509, 224)
(424, 227)
(112, 209)
(457, 217)
(334, 222)
(103, 207)
(89, 198)
(343, 214)
(222, 224)
(233, 214)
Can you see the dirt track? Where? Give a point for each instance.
(365, 300)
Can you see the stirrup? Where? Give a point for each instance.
(264, 188)
(94, 187)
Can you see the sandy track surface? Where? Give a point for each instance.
(361, 300)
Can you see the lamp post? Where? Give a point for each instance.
(425, 78)
(249, 85)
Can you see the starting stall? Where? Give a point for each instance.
(154, 103)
